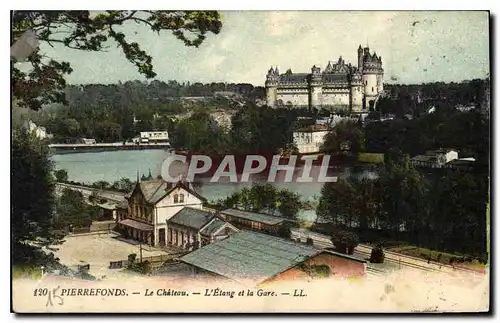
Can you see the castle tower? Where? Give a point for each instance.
(315, 87)
(272, 82)
(369, 77)
(360, 58)
(356, 92)
(380, 76)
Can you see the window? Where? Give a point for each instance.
(372, 89)
(181, 198)
(176, 198)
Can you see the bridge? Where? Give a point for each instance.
(109, 146)
(112, 198)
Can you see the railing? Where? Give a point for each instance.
(151, 259)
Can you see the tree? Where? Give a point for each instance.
(345, 242)
(72, 210)
(32, 190)
(83, 30)
(264, 198)
(61, 175)
(345, 136)
(32, 199)
(377, 255)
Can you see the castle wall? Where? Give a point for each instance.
(295, 96)
(335, 97)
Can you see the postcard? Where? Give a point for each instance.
(190, 162)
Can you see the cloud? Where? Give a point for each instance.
(251, 41)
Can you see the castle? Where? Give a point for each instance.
(340, 87)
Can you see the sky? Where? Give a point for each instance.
(416, 47)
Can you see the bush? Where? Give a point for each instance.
(345, 242)
(132, 257)
(377, 256)
(146, 267)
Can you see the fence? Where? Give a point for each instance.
(151, 259)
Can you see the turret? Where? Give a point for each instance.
(356, 91)
(315, 87)
(360, 58)
(272, 82)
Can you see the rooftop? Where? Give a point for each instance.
(439, 151)
(314, 128)
(251, 256)
(213, 227)
(192, 218)
(252, 216)
(156, 189)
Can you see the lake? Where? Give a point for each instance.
(110, 166)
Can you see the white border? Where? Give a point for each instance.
(214, 5)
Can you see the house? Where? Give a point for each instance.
(191, 227)
(256, 259)
(170, 214)
(309, 140)
(88, 141)
(154, 136)
(121, 210)
(252, 220)
(435, 158)
(151, 204)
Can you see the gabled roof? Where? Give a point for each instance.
(192, 218)
(253, 256)
(215, 225)
(155, 190)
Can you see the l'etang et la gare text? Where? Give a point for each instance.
(117, 292)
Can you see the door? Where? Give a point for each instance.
(161, 237)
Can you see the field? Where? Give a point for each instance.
(371, 158)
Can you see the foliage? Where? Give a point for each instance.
(116, 112)
(444, 210)
(32, 199)
(131, 258)
(61, 175)
(124, 185)
(264, 198)
(377, 255)
(83, 30)
(345, 242)
(43, 83)
(73, 210)
(316, 271)
(468, 132)
(146, 267)
(263, 129)
(371, 158)
(346, 136)
(200, 133)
